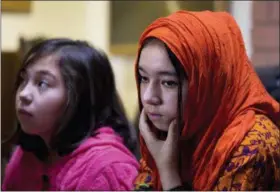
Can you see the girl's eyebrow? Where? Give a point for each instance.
(161, 73)
(141, 69)
(46, 73)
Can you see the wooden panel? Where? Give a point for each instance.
(16, 6)
(130, 18)
(8, 72)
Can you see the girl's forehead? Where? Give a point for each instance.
(48, 64)
(44, 62)
(154, 57)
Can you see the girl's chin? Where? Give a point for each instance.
(29, 130)
(160, 133)
(161, 127)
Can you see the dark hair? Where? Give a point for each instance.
(179, 71)
(92, 98)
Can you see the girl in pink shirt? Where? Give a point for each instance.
(73, 133)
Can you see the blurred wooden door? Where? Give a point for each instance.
(8, 72)
(9, 62)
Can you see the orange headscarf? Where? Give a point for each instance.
(224, 92)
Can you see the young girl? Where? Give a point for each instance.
(74, 134)
(206, 121)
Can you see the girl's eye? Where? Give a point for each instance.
(143, 79)
(43, 85)
(170, 84)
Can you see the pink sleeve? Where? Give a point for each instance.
(116, 176)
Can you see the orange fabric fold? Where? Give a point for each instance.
(224, 92)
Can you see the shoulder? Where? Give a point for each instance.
(115, 176)
(106, 146)
(11, 168)
(263, 139)
(106, 169)
(103, 157)
(260, 144)
(255, 163)
(17, 158)
(109, 151)
(18, 164)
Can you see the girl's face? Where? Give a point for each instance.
(159, 85)
(41, 98)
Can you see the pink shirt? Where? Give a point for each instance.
(99, 163)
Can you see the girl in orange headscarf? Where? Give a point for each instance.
(206, 119)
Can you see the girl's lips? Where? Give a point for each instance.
(154, 116)
(24, 112)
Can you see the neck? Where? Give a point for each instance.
(47, 139)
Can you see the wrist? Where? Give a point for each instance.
(167, 167)
(170, 178)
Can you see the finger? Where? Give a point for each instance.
(144, 128)
(173, 132)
